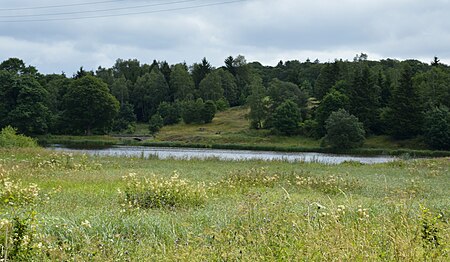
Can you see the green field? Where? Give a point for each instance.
(85, 208)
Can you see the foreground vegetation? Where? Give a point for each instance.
(57, 206)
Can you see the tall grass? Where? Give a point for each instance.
(215, 210)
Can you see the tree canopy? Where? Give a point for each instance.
(390, 97)
(89, 105)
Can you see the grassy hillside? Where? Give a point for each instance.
(232, 127)
(61, 207)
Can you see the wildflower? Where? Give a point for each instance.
(86, 224)
(4, 223)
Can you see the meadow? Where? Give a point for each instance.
(64, 207)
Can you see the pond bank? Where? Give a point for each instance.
(226, 154)
(107, 141)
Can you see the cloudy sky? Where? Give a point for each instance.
(58, 36)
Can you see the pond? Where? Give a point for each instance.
(234, 155)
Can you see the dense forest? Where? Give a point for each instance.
(403, 99)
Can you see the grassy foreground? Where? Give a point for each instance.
(59, 207)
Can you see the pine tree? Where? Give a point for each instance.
(404, 117)
(364, 98)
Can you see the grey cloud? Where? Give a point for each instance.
(260, 29)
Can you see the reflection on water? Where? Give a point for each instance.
(236, 155)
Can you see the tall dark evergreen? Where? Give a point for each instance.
(364, 98)
(404, 117)
(199, 71)
(229, 65)
(326, 79)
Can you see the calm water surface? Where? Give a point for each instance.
(236, 155)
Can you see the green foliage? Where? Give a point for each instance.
(437, 128)
(126, 119)
(433, 86)
(229, 86)
(222, 104)
(170, 112)
(344, 130)
(10, 138)
(387, 96)
(333, 101)
(156, 122)
(280, 91)
(119, 89)
(364, 98)
(17, 66)
(430, 230)
(130, 69)
(326, 80)
(181, 83)
(155, 192)
(208, 111)
(24, 103)
(190, 111)
(149, 91)
(287, 118)
(17, 218)
(404, 117)
(309, 128)
(211, 87)
(200, 70)
(256, 102)
(88, 105)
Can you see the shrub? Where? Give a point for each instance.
(344, 130)
(169, 112)
(190, 111)
(222, 104)
(158, 192)
(9, 138)
(208, 111)
(155, 123)
(309, 128)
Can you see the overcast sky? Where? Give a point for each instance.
(262, 30)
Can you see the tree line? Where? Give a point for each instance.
(403, 99)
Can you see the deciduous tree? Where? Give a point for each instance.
(88, 105)
(344, 130)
